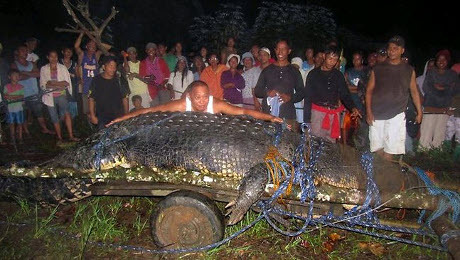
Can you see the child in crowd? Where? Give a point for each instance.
(137, 103)
(14, 91)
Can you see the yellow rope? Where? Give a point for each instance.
(274, 166)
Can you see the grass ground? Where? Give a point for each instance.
(28, 231)
(69, 232)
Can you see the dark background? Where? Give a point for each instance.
(426, 26)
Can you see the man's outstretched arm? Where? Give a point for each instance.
(173, 106)
(225, 108)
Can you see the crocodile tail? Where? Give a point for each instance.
(45, 191)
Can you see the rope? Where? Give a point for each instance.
(448, 199)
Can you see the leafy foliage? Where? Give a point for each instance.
(213, 30)
(302, 24)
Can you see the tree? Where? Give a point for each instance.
(93, 27)
(302, 24)
(213, 30)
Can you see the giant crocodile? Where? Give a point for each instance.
(217, 151)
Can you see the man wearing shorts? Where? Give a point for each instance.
(386, 100)
(28, 78)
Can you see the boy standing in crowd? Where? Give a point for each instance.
(106, 99)
(14, 91)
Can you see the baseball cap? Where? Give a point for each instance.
(265, 49)
(247, 55)
(231, 56)
(382, 52)
(150, 45)
(398, 40)
(131, 49)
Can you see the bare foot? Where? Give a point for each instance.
(74, 139)
(47, 131)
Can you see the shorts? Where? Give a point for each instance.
(15, 117)
(389, 135)
(85, 103)
(73, 109)
(35, 107)
(60, 106)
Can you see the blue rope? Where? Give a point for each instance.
(448, 199)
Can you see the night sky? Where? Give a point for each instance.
(426, 27)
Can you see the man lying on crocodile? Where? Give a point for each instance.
(198, 99)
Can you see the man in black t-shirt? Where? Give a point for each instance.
(324, 88)
(107, 100)
(281, 83)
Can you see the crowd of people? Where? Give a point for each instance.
(378, 94)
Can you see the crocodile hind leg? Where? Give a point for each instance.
(251, 189)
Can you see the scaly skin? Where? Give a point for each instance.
(185, 147)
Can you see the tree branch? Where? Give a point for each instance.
(68, 6)
(83, 9)
(107, 20)
(57, 29)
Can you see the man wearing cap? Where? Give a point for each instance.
(280, 85)
(387, 95)
(136, 84)
(155, 72)
(250, 75)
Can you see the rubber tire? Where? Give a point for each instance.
(186, 219)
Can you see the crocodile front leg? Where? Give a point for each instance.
(251, 189)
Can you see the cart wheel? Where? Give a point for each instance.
(186, 219)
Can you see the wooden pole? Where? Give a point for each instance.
(443, 226)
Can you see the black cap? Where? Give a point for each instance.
(382, 52)
(398, 40)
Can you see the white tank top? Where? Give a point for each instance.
(209, 109)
